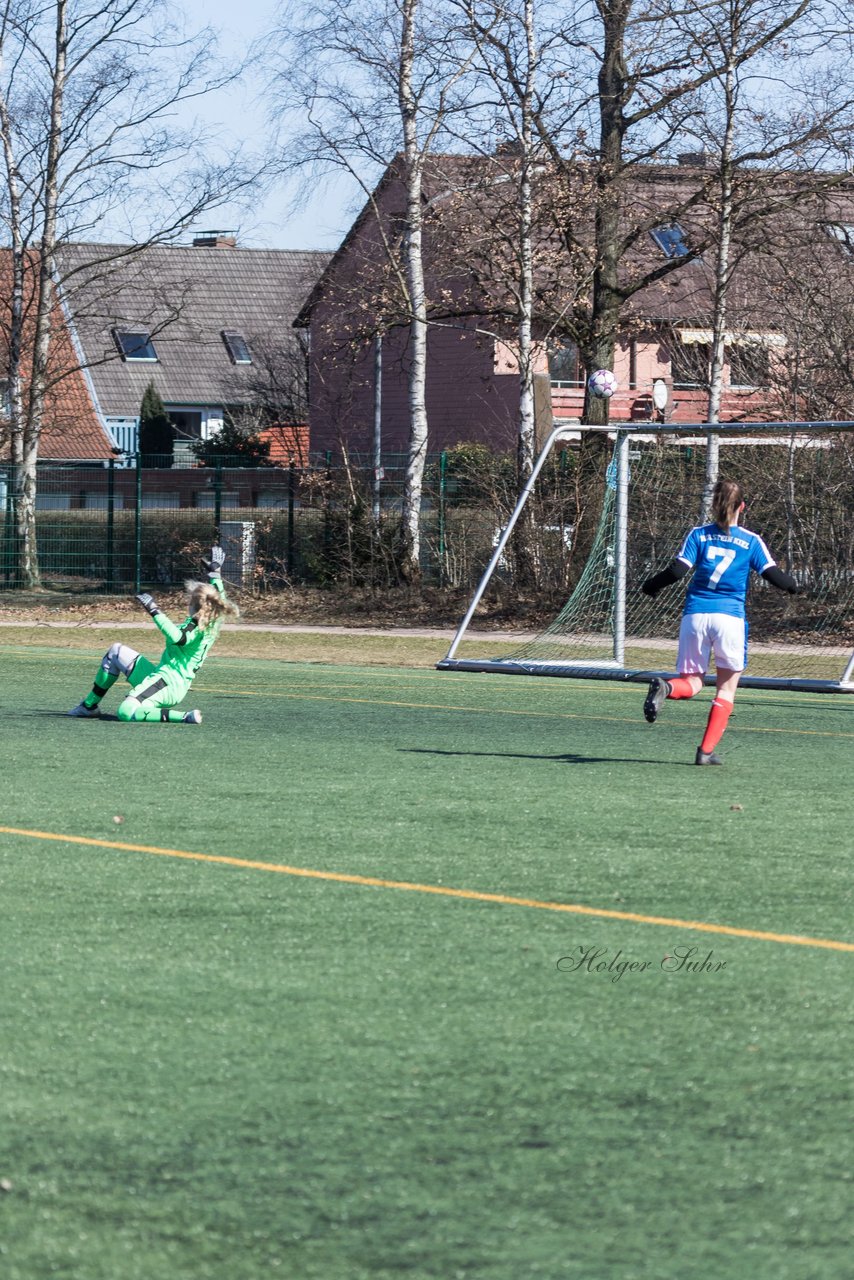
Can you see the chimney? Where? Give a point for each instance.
(215, 240)
(693, 159)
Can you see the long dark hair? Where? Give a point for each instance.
(726, 500)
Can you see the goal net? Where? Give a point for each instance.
(798, 480)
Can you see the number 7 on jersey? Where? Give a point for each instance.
(726, 556)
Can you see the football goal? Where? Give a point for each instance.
(798, 479)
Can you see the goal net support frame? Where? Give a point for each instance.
(615, 667)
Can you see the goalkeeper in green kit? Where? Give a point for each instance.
(156, 690)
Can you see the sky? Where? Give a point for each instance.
(237, 114)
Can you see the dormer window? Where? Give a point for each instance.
(134, 344)
(237, 347)
(843, 232)
(670, 239)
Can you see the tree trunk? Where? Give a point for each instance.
(722, 276)
(607, 298)
(527, 560)
(526, 441)
(22, 503)
(32, 413)
(26, 571)
(413, 158)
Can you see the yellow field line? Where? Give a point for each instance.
(470, 895)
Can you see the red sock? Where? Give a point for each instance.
(718, 717)
(680, 687)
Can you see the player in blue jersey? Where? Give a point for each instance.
(722, 556)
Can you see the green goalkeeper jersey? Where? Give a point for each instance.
(187, 646)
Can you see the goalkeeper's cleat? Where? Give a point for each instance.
(84, 712)
(193, 717)
(706, 757)
(658, 691)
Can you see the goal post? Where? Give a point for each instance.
(799, 482)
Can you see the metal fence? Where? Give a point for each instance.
(113, 528)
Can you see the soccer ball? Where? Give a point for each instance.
(602, 383)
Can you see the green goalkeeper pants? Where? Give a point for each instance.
(154, 695)
(155, 689)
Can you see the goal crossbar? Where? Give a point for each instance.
(614, 666)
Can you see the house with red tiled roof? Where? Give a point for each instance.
(72, 429)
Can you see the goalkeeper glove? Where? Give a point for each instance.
(215, 562)
(148, 603)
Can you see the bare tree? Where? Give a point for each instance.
(507, 255)
(378, 80)
(650, 71)
(86, 94)
(809, 282)
(776, 124)
(415, 148)
(508, 60)
(275, 389)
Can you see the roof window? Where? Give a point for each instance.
(844, 233)
(134, 344)
(237, 347)
(670, 239)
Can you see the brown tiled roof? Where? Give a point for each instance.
(458, 191)
(185, 296)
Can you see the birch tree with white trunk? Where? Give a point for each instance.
(508, 64)
(414, 153)
(377, 81)
(524, 93)
(88, 94)
(775, 123)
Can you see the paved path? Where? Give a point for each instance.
(412, 633)
(296, 628)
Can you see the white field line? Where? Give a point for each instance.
(294, 628)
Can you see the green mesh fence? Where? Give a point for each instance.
(800, 499)
(118, 527)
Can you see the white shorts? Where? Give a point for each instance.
(702, 634)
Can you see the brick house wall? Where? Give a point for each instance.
(472, 380)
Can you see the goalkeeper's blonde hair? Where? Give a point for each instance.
(207, 605)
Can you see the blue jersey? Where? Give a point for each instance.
(721, 563)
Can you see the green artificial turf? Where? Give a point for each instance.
(246, 642)
(217, 1071)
